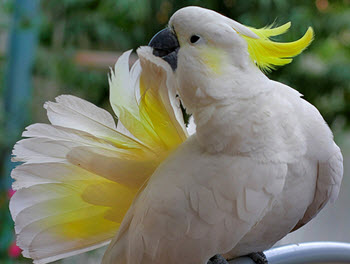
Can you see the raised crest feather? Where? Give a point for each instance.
(267, 54)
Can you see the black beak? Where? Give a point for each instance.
(166, 46)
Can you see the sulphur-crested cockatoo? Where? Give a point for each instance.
(260, 162)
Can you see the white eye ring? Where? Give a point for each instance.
(194, 39)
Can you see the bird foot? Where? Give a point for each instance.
(258, 257)
(217, 259)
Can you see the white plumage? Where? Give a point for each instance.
(262, 160)
(242, 198)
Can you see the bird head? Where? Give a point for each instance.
(211, 54)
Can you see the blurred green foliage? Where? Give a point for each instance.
(321, 73)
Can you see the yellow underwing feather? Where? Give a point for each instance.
(267, 54)
(81, 173)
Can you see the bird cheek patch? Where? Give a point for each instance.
(213, 59)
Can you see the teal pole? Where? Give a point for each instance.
(17, 95)
(18, 78)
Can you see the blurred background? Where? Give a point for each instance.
(50, 48)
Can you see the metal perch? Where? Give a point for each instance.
(304, 253)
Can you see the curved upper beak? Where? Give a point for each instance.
(166, 46)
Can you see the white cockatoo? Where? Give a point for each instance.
(259, 162)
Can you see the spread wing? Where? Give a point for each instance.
(329, 177)
(195, 206)
(82, 172)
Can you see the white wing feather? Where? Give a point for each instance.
(182, 212)
(329, 177)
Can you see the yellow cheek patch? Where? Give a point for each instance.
(213, 59)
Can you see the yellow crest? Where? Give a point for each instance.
(267, 54)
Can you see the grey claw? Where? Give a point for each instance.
(258, 258)
(217, 259)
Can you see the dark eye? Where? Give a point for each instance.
(194, 38)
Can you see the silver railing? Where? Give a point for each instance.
(304, 253)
